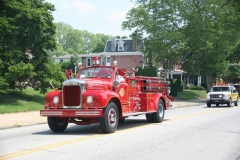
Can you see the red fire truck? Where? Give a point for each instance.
(106, 95)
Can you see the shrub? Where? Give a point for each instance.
(195, 88)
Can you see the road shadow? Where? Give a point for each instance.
(221, 106)
(95, 128)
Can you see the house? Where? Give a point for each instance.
(127, 52)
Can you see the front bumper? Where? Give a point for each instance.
(218, 101)
(86, 113)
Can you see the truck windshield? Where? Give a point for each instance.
(220, 89)
(96, 72)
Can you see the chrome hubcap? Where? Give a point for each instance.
(112, 117)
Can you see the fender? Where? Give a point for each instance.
(100, 97)
(49, 99)
(157, 97)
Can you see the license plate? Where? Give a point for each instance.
(216, 101)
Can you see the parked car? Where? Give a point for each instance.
(237, 86)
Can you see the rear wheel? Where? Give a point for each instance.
(57, 124)
(159, 115)
(149, 117)
(109, 121)
(236, 103)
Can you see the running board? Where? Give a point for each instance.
(136, 113)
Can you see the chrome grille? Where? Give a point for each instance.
(216, 96)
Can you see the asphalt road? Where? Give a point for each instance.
(187, 133)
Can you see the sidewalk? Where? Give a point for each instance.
(30, 118)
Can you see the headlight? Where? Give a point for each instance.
(55, 99)
(208, 96)
(89, 99)
(226, 96)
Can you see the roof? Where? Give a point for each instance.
(177, 72)
(128, 45)
(68, 56)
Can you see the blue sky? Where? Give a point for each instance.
(95, 16)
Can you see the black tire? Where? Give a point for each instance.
(236, 103)
(57, 124)
(109, 121)
(217, 105)
(229, 103)
(149, 117)
(208, 104)
(159, 115)
(121, 120)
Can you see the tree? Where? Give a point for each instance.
(27, 34)
(99, 41)
(75, 41)
(3, 83)
(202, 34)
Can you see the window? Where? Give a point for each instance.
(88, 62)
(120, 45)
(108, 59)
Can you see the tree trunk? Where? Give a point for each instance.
(209, 81)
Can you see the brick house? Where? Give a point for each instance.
(127, 53)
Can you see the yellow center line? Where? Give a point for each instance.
(45, 147)
(75, 140)
(196, 114)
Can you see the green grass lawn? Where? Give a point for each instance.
(31, 100)
(191, 94)
(21, 101)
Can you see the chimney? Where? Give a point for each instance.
(113, 44)
(134, 42)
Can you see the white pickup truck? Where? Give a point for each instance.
(222, 94)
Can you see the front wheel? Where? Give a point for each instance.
(208, 104)
(229, 103)
(159, 115)
(57, 124)
(121, 120)
(109, 121)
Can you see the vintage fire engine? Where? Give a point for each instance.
(106, 95)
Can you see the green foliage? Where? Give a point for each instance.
(54, 73)
(73, 41)
(71, 64)
(199, 88)
(147, 71)
(21, 71)
(26, 44)
(3, 83)
(176, 86)
(202, 34)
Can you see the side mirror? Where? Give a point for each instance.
(116, 83)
